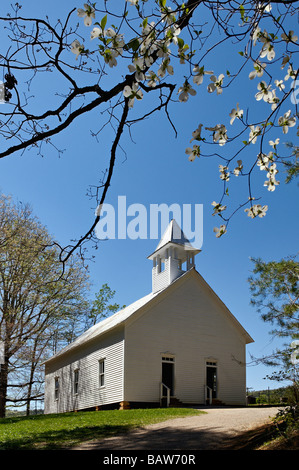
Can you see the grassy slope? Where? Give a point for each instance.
(65, 430)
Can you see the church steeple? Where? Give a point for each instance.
(173, 251)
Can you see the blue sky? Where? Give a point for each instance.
(153, 169)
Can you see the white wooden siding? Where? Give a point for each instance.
(86, 358)
(192, 324)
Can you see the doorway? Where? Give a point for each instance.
(168, 374)
(212, 379)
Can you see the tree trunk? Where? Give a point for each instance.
(3, 387)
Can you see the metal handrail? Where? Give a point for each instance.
(208, 394)
(167, 394)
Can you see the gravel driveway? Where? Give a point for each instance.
(207, 431)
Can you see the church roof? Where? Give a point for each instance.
(174, 235)
(119, 318)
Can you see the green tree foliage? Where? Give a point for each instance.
(101, 308)
(275, 293)
(38, 295)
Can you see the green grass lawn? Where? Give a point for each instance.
(66, 430)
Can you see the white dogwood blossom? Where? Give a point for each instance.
(193, 152)
(220, 231)
(196, 135)
(155, 43)
(271, 183)
(165, 67)
(274, 143)
(235, 113)
(88, 14)
(239, 168)
(185, 90)
(216, 84)
(263, 160)
(224, 173)
(254, 133)
(268, 48)
(218, 208)
(77, 48)
(97, 33)
(152, 78)
(258, 70)
(132, 93)
(256, 211)
(287, 121)
(291, 37)
(292, 73)
(264, 92)
(138, 67)
(199, 74)
(219, 133)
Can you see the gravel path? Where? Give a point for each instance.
(212, 430)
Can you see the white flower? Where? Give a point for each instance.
(77, 48)
(219, 133)
(291, 73)
(116, 42)
(172, 32)
(239, 168)
(268, 48)
(256, 35)
(224, 173)
(280, 85)
(256, 211)
(271, 182)
(163, 50)
(218, 207)
(185, 90)
(289, 37)
(96, 33)
(109, 57)
(132, 93)
(264, 92)
(138, 67)
(285, 60)
(200, 72)
(254, 132)
(275, 143)
(193, 153)
(220, 231)
(167, 15)
(196, 135)
(264, 160)
(133, 2)
(217, 84)
(88, 14)
(235, 113)
(286, 121)
(152, 78)
(258, 70)
(165, 67)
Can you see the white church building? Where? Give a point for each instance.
(178, 344)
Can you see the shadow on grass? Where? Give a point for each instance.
(62, 439)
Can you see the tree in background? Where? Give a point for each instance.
(101, 307)
(132, 59)
(37, 296)
(275, 293)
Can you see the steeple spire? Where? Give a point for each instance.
(173, 250)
